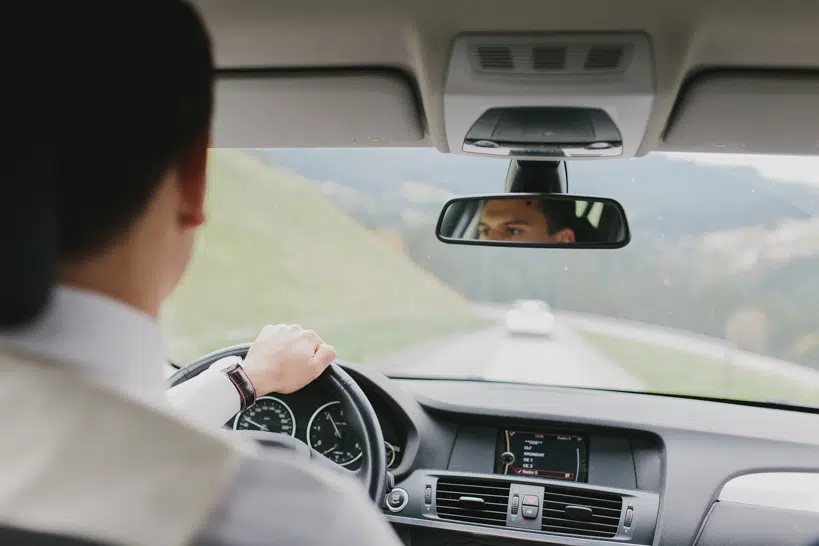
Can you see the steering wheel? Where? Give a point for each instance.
(361, 420)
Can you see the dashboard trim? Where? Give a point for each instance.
(499, 532)
(785, 490)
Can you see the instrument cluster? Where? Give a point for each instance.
(320, 423)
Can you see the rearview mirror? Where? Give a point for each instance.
(534, 220)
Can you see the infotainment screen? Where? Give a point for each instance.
(548, 455)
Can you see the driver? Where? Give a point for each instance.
(91, 448)
(527, 221)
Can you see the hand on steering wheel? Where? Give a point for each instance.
(361, 419)
(284, 359)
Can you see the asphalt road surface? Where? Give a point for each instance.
(492, 354)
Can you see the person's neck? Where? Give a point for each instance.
(121, 280)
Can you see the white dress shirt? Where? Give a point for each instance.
(100, 467)
(119, 344)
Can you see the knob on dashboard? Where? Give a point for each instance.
(508, 457)
(397, 500)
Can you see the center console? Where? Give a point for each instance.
(538, 484)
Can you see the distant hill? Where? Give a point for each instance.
(275, 249)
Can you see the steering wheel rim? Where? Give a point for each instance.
(360, 415)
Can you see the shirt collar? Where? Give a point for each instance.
(97, 335)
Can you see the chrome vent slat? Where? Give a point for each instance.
(461, 509)
(584, 499)
(604, 518)
(579, 531)
(582, 525)
(495, 496)
(558, 514)
(488, 497)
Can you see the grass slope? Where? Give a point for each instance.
(275, 250)
(672, 371)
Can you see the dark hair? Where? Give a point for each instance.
(133, 87)
(559, 214)
(111, 93)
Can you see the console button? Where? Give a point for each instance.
(530, 500)
(428, 494)
(629, 517)
(529, 512)
(397, 500)
(515, 504)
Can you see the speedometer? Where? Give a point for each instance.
(329, 434)
(268, 414)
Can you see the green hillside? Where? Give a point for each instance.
(275, 250)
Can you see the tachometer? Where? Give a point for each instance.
(268, 414)
(328, 433)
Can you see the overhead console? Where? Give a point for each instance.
(545, 132)
(549, 96)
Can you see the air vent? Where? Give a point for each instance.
(604, 58)
(495, 58)
(581, 512)
(472, 500)
(549, 58)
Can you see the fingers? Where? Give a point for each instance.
(272, 329)
(325, 355)
(269, 330)
(312, 338)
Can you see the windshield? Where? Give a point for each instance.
(715, 295)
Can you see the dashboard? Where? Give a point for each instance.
(492, 463)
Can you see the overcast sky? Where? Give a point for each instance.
(796, 168)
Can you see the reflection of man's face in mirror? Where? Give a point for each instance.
(526, 221)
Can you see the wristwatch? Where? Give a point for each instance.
(240, 380)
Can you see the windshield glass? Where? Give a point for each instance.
(715, 295)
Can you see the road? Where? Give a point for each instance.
(565, 359)
(491, 354)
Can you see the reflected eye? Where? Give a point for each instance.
(513, 231)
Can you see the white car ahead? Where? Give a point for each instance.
(532, 317)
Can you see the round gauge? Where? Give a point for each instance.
(390, 454)
(268, 414)
(328, 433)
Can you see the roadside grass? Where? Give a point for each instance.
(672, 371)
(275, 250)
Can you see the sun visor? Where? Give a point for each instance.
(331, 108)
(758, 112)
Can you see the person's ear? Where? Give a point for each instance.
(193, 168)
(565, 236)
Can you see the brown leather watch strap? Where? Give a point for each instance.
(240, 380)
